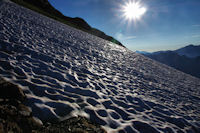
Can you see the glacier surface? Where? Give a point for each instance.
(66, 73)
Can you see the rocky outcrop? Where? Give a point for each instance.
(73, 125)
(10, 91)
(17, 118)
(14, 115)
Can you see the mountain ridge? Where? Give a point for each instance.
(191, 51)
(45, 8)
(186, 59)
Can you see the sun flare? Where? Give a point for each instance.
(133, 10)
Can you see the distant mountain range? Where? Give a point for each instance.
(190, 51)
(45, 8)
(186, 59)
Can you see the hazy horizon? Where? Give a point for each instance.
(170, 49)
(160, 25)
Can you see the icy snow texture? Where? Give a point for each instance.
(66, 72)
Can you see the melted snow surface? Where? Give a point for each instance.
(65, 72)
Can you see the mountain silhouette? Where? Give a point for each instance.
(186, 59)
(45, 8)
(190, 51)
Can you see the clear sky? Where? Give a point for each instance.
(158, 24)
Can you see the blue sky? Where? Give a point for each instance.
(166, 24)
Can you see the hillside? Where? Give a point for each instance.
(45, 8)
(186, 59)
(190, 51)
(67, 73)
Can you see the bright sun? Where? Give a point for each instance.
(133, 10)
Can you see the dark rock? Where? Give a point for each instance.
(74, 125)
(10, 91)
(15, 117)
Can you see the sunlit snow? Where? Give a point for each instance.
(66, 72)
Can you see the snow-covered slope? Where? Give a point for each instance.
(65, 72)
